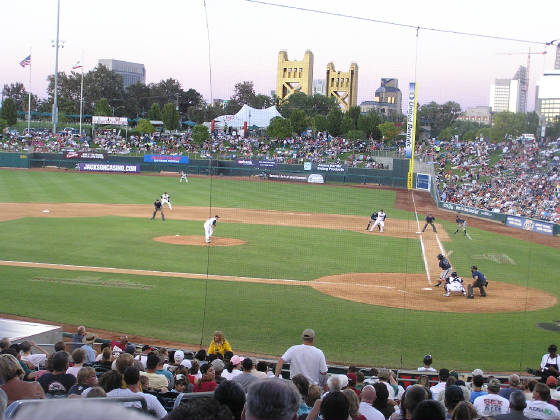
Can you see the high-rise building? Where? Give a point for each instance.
(343, 86)
(557, 61)
(505, 95)
(319, 87)
(521, 75)
(294, 76)
(388, 97)
(131, 72)
(547, 101)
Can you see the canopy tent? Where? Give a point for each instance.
(252, 116)
(189, 123)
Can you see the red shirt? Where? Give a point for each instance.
(207, 386)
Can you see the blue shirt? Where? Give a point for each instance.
(479, 274)
(476, 394)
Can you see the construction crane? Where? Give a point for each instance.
(529, 53)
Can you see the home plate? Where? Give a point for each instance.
(418, 232)
(426, 288)
(176, 235)
(46, 211)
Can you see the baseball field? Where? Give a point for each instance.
(80, 248)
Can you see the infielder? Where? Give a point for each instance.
(461, 224)
(183, 177)
(372, 219)
(430, 221)
(380, 221)
(158, 207)
(454, 284)
(209, 228)
(479, 281)
(165, 200)
(445, 269)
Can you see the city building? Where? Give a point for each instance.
(477, 114)
(343, 86)
(131, 72)
(294, 76)
(319, 87)
(557, 61)
(505, 95)
(547, 96)
(522, 76)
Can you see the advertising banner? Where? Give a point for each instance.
(329, 167)
(529, 224)
(108, 167)
(254, 163)
(410, 132)
(166, 159)
(288, 177)
(423, 182)
(471, 210)
(85, 155)
(109, 120)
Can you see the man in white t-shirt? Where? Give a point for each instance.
(132, 380)
(367, 398)
(539, 408)
(38, 359)
(427, 365)
(491, 404)
(305, 359)
(440, 386)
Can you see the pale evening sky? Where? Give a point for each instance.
(169, 37)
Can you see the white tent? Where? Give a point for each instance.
(252, 116)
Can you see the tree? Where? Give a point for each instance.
(312, 105)
(190, 99)
(244, 93)
(279, 128)
(3, 125)
(298, 121)
(200, 134)
(145, 126)
(355, 135)
(389, 130)
(20, 96)
(154, 114)
(165, 91)
(346, 124)
(102, 108)
(553, 130)
(334, 119)
(368, 124)
(98, 83)
(319, 123)
(438, 116)
(170, 116)
(9, 111)
(263, 101)
(354, 113)
(137, 100)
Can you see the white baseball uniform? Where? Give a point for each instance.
(455, 285)
(165, 200)
(380, 221)
(183, 177)
(209, 228)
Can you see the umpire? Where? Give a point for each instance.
(158, 207)
(430, 221)
(479, 281)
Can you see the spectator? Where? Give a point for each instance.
(162, 371)
(246, 378)
(386, 377)
(121, 344)
(465, 411)
(206, 383)
(477, 382)
(272, 399)
(231, 394)
(103, 347)
(200, 356)
(427, 365)
(428, 410)
(360, 380)
(540, 408)
(5, 343)
(491, 404)
(219, 344)
(352, 379)
(382, 402)
(11, 374)
(201, 409)
(550, 363)
(440, 386)
(232, 368)
(353, 405)
(517, 405)
(412, 397)
(514, 384)
(79, 358)
(554, 394)
(334, 406)
(37, 359)
(96, 392)
(110, 380)
(106, 360)
(218, 366)
(305, 359)
(261, 370)
(453, 396)
(528, 389)
(78, 338)
(58, 382)
(155, 381)
(88, 348)
(302, 385)
(424, 381)
(132, 381)
(367, 398)
(86, 379)
(59, 346)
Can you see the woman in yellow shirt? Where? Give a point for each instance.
(219, 344)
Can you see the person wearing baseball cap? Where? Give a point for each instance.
(305, 359)
(491, 404)
(427, 365)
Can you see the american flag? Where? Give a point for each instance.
(26, 61)
(77, 66)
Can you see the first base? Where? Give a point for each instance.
(426, 288)
(46, 211)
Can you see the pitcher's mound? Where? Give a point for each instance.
(198, 240)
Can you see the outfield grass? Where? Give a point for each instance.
(256, 317)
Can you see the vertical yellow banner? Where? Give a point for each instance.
(410, 132)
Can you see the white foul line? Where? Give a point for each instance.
(469, 236)
(421, 241)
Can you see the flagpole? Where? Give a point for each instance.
(29, 97)
(82, 94)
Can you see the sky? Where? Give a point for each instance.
(170, 38)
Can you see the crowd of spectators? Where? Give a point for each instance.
(515, 177)
(235, 387)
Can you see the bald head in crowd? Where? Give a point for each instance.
(272, 399)
(368, 394)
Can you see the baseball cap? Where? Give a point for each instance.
(130, 348)
(179, 356)
(187, 363)
(218, 365)
(90, 338)
(235, 360)
(352, 377)
(308, 333)
(494, 385)
(477, 372)
(551, 381)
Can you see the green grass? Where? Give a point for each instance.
(258, 317)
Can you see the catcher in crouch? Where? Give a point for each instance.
(454, 284)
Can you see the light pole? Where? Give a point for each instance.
(55, 104)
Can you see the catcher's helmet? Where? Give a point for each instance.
(474, 267)
(454, 274)
(440, 256)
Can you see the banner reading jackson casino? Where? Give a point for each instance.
(410, 131)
